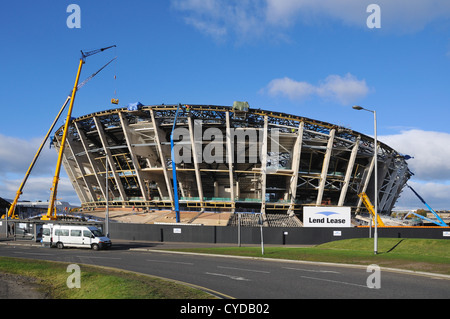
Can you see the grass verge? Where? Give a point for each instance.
(96, 283)
(427, 255)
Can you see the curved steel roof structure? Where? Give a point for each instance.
(245, 160)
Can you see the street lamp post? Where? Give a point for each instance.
(375, 158)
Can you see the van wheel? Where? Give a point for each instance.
(95, 247)
(60, 245)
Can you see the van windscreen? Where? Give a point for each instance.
(96, 233)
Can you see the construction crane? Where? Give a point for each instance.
(11, 211)
(51, 212)
(365, 199)
(440, 222)
(12, 208)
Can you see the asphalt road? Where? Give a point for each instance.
(248, 278)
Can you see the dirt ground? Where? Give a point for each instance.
(164, 216)
(19, 287)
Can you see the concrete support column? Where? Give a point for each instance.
(87, 197)
(198, 176)
(162, 159)
(366, 183)
(264, 169)
(297, 151)
(91, 160)
(326, 162)
(134, 160)
(101, 134)
(348, 173)
(230, 159)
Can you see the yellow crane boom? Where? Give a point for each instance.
(51, 212)
(11, 211)
(365, 199)
(12, 208)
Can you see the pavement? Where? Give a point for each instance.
(155, 246)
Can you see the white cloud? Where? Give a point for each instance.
(344, 89)
(397, 16)
(430, 165)
(430, 150)
(38, 188)
(290, 88)
(207, 28)
(15, 157)
(219, 18)
(435, 195)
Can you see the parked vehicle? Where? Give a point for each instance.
(79, 236)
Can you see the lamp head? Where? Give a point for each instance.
(357, 107)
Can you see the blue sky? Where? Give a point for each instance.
(310, 58)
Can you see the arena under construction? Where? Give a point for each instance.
(159, 171)
(227, 159)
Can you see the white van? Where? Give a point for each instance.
(74, 236)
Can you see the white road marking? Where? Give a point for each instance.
(228, 276)
(311, 270)
(253, 270)
(335, 281)
(169, 262)
(99, 257)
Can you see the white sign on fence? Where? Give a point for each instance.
(326, 217)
